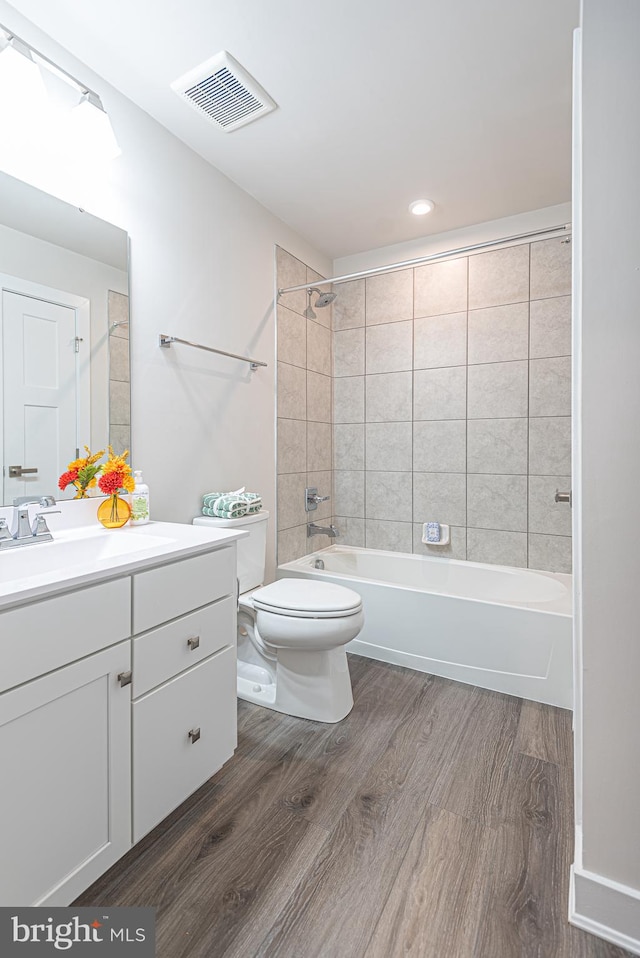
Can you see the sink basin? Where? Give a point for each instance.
(69, 551)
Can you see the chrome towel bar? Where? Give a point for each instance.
(166, 342)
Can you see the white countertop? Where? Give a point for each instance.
(88, 553)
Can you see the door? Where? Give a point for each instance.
(65, 800)
(39, 385)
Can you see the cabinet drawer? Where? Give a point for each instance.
(175, 647)
(168, 764)
(46, 635)
(171, 590)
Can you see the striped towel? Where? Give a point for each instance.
(225, 505)
(254, 502)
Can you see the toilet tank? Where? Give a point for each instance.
(252, 550)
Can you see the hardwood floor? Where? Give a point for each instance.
(435, 821)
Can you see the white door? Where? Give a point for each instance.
(39, 386)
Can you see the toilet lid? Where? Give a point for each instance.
(307, 598)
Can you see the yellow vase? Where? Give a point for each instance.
(114, 512)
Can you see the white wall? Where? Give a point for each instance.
(202, 267)
(33, 259)
(606, 886)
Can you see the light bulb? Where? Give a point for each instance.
(420, 207)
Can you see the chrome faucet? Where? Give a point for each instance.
(23, 532)
(314, 530)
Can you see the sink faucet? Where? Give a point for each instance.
(23, 532)
(314, 530)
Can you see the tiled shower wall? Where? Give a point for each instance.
(452, 402)
(304, 411)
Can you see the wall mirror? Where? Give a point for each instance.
(64, 349)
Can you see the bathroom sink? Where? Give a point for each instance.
(72, 550)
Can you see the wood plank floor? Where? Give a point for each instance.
(434, 822)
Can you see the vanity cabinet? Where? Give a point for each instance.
(136, 710)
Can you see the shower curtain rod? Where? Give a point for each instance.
(564, 228)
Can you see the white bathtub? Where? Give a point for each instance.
(493, 626)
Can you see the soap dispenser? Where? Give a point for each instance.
(139, 501)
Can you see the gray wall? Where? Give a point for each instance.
(452, 402)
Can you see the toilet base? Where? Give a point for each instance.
(311, 685)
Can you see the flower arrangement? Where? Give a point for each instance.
(82, 473)
(116, 475)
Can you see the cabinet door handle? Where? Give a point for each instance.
(193, 642)
(124, 678)
(194, 735)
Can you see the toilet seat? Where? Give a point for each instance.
(307, 599)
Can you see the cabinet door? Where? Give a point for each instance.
(65, 798)
(183, 732)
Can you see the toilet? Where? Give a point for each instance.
(291, 633)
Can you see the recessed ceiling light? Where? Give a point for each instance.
(420, 207)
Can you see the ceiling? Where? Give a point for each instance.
(465, 103)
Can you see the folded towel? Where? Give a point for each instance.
(227, 506)
(254, 502)
(220, 513)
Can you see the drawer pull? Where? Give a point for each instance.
(194, 735)
(124, 678)
(193, 642)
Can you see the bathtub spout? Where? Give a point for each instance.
(314, 530)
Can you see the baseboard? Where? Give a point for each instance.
(605, 908)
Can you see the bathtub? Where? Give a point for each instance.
(492, 626)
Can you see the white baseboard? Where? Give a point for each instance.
(605, 908)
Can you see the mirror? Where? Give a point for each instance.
(64, 349)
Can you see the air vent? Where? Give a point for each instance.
(223, 92)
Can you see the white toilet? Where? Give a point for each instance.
(291, 634)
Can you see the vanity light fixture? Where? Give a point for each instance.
(86, 123)
(420, 207)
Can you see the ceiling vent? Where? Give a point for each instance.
(223, 92)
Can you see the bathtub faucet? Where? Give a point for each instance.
(314, 530)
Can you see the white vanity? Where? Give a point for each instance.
(117, 694)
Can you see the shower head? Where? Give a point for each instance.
(324, 299)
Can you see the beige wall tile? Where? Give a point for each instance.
(318, 348)
(120, 438)
(456, 549)
(292, 392)
(292, 337)
(348, 446)
(319, 455)
(119, 359)
(440, 446)
(291, 272)
(550, 268)
(497, 502)
(388, 536)
(389, 297)
(389, 348)
(292, 544)
(351, 531)
(388, 496)
(292, 446)
(440, 497)
(389, 397)
(550, 387)
(498, 390)
(389, 446)
(318, 397)
(550, 553)
(348, 352)
(499, 333)
(550, 446)
(546, 516)
(291, 500)
(499, 277)
(498, 446)
(440, 393)
(441, 288)
(348, 307)
(119, 403)
(348, 399)
(440, 341)
(499, 548)
(349, 492)
(550, 327)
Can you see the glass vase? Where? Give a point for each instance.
(114, 512)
